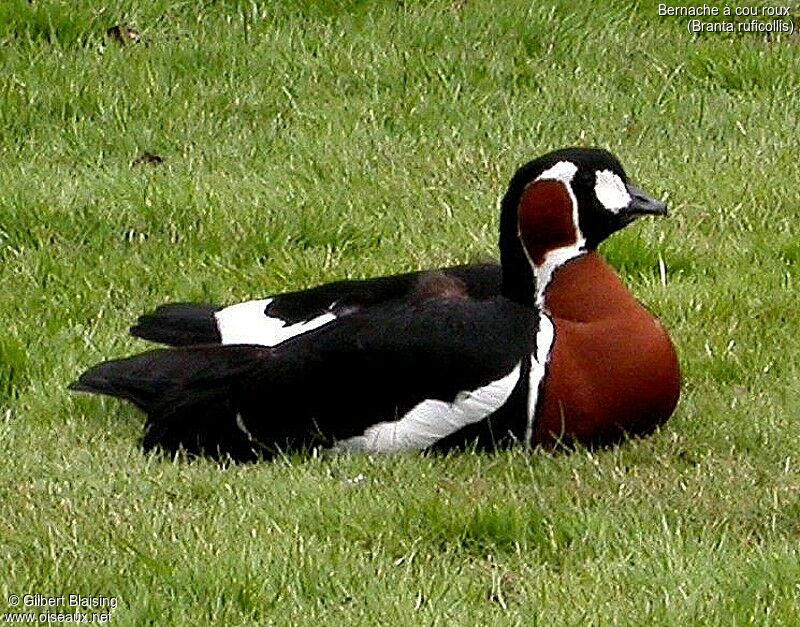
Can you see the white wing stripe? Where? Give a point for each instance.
(246, 323)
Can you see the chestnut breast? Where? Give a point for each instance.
(613, 369)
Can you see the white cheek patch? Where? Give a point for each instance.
(246, 323)
(431, 420)
(563, 171)
(611, 191)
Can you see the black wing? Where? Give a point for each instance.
(480, 281)
(327, 385)
(185, 324)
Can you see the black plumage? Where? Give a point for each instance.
(179, 324)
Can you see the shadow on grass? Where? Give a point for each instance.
(13, 371)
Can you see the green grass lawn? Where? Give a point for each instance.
(307, 142)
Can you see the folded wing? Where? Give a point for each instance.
(426, 369)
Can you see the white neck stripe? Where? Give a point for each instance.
(563, 172)
(545, 338)
(553, 260)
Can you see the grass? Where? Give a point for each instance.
(310, 141)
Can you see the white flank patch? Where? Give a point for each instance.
(611, 191)
(563, 171)
(544, 344)
(431, 420)
(246, 323)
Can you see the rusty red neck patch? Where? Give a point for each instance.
(546, 219)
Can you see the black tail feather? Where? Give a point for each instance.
(189, 395)
(179, 324)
